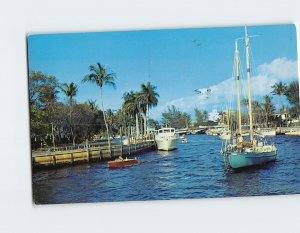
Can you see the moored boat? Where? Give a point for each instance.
(225, 136)
(268, 132)
(239, 160)
(240, 153)
(293, 132)
(166, 139)
(119, 163)
(184, 140)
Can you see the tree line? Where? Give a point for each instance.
(264, 113)
(54, 122)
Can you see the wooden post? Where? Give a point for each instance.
(100, 154)
(111, 152)
(54, 160)
(129, 139)
(52, 131)
(87, 150)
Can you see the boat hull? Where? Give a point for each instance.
(267, 133)
(123, 163)
(239, 160)
(167, 144)
(293, 133)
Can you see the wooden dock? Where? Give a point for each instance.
(89, 154)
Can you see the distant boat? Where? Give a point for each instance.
(119, 163)
(225, 136)
(293, 132)
(167, 139)
(184, 140)
(125, 141)
(267, 132)
(242, 153)
(213, 132)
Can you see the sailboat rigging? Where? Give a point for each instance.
(238, 152)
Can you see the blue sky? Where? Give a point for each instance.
(176, 61)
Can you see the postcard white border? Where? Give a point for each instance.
(18, 214)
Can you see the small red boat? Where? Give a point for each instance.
(119, 163)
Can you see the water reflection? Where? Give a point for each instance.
(246, 181)
(166, 153)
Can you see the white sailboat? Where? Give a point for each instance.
(242, 153)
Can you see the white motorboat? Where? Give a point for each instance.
(167, 139)
(293, 132)
(267, 132)
(225, 136)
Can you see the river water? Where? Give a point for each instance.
(195, 170)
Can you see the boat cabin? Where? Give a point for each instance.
(166, 130)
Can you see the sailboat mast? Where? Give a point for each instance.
(238, 87)
(249, 84)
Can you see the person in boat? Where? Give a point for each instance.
(240, 140)
(234, 140)
(121, 158)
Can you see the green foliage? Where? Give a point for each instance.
(43, 90)
(132, 103)
(173, 117)
(292, 95)
(279, 89)
(198, 116)
(154, 124)
(149, 94)
(46, 111)
(204, 115)
(99, 75)
(70, 90)
(268, 108)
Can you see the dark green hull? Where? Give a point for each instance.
(239, 160)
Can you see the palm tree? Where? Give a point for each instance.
(204, 115)
(99, 76)
(92, 105)
(279, 89)
(292, 95)
(132, 106)
(110, 120)
(70, 90)
(150, 97)
(268, 108)
(257, 109)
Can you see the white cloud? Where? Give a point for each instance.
(223, 93)
(281, 69)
